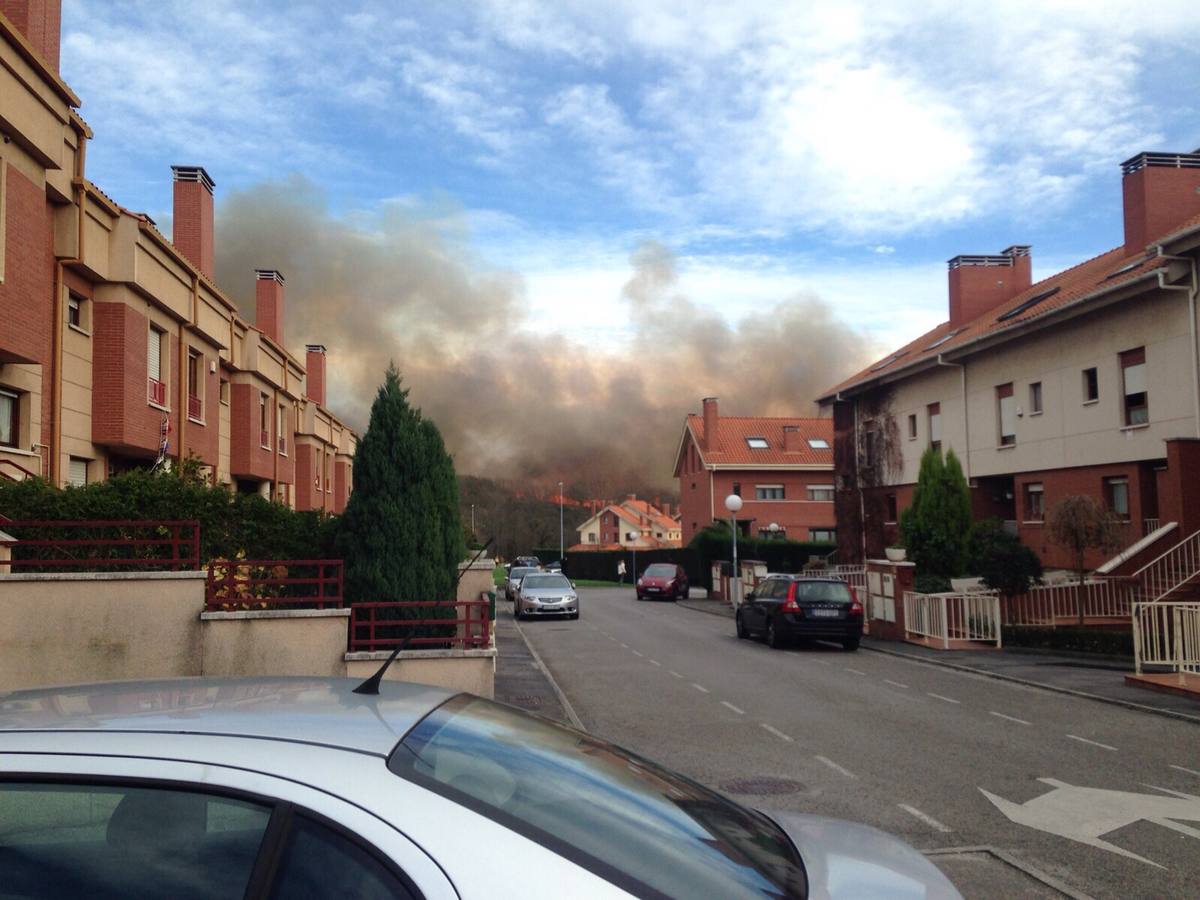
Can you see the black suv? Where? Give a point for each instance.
(785, 607)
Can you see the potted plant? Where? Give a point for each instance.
(895, 553)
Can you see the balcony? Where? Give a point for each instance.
(283, 445)
(194, 408)
(264, 438)
(158, 392)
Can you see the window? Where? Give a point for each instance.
(818, 443)
(75, 311)
(224, 391)
(320, 467)
(822, 492)
(1035, 502)
(10, 419)
(768, 492)
(891, 508)
(934, 414)
(912, 427)
(320, 862)
(281, 429)
(826, 535)
(126, 841)
(154, 365)
(1091, 386)
(737, 488)
(264, 423)
(1006, 405)
(757, 443)
(77, 471)
(1035, 398)
(1028, 304)
(195, 377)
(1116, 495)
(1133, 383)
(591, 537)
(779, 534)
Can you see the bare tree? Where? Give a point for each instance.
(1080, 523)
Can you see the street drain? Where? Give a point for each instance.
(761, 786)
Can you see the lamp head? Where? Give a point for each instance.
(733, 503)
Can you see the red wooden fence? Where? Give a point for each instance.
(262, 583)
(85, 545)
(379, 626)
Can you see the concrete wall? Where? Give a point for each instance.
(476, 578)
(274, 642)
(83, 627)
(473, 671)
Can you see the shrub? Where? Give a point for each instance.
(1005, 564)
(1087, 640)
(935, 527)
(931, 584)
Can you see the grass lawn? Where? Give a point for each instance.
(592, 582)
(498, 575)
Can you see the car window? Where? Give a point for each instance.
(113, 841)
(624, 818)
(319, 863)
(770, 589)
(822, 592)
(546, 581)
(661, 571)
(519, 573)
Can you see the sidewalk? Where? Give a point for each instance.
(1099, 678)
(521, 680)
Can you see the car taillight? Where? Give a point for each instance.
(856, 608)
(790, 605)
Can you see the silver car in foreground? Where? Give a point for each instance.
(302, 787)
(546, 594)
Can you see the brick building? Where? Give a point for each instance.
(633, 523)
(117, 349)
(782, 468)
(1083, 383)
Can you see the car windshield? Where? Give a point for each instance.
(823, 592)
(520, 572)
(546, 582)
(639, 826)
(661, 571)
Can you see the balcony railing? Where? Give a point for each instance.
(264, 438)
(194, 408)
(430, 625)
(55, 546)
(282, 444)
(158, 392)
(237, 584)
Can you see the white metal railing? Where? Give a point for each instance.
(1169, 572)
(1149, 526)
(1103, 598)
(953, 617)
(855, 576)
(1167, 634)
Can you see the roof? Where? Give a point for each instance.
(655, 515)
(1102, 274)
(322, 711)
(732, 449)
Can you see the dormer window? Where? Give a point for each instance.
(757, 443)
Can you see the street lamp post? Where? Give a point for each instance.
(733, 503)
(560, 523)
(472, 521)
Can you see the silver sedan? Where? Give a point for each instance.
(546, 594)
(304, 787)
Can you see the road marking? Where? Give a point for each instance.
(624, 646)
(895, 683)
(855, 671)
(655, 662)
(635, 653)
(675, 674)
(740, 712)
(775, 731)
(1008, 718)
(701, 688)
(821, 662)
(1084, 740)
(940, 697)
(927, 819)
(836, 767)
(1182, 769)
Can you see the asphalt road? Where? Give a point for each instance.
(902, 745)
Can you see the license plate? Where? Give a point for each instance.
(825, 613)
(653, 590)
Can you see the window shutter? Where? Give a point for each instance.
(77, 472)
(154, 354)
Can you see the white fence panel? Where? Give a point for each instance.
(1167, 634)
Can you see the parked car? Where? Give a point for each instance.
(532, 561)
(301, 787)
(663, 581)
(785, 607)
(555, 566)
(546, 594)
(515, 575)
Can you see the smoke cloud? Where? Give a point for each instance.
(515, 404)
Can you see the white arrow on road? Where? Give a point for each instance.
(1083, 814)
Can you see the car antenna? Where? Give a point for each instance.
(463, 571)
(371, 685)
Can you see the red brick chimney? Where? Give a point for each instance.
(268, 295)
(314, 365)
(41, 23)
(791, 439)
(711, 418)
(666, 510)
(1161, 192)
(192, 232)
(982, 283)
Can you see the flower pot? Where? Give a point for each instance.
(896, 554)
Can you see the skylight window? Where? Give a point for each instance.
(887, 362)
(944, 338)
(1028, 304)
(1128, 267)
(818, 443)
(757, 443)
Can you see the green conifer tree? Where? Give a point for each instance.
(936, 526)
(400, 535)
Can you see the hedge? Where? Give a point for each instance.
(601, 565)
(1089, 640)
(715, 543)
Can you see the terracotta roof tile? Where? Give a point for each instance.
(732, 447)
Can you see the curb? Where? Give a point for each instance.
(1128, 704)
(720, 611)
(558, 692)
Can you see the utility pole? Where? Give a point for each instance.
(560, 523)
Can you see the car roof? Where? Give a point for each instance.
(793, 576)
(323, 711)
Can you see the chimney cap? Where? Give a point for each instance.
(315, 348)
(268, 275)
(193, 173)
(1017, 250)
(964, 260)
(1168, 160)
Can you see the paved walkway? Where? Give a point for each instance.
(1100, 678)
(521, 679)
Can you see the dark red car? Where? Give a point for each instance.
(663, 581)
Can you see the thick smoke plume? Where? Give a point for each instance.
(512, 403)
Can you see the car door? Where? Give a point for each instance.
(752, 609)
(777, 591)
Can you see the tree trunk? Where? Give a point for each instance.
(1079, 572)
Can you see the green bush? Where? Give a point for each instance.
(1088, 640)
(1005, 564)
(715, 542)
(932, 584)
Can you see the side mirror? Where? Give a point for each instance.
(572, 585)
(750, 596)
